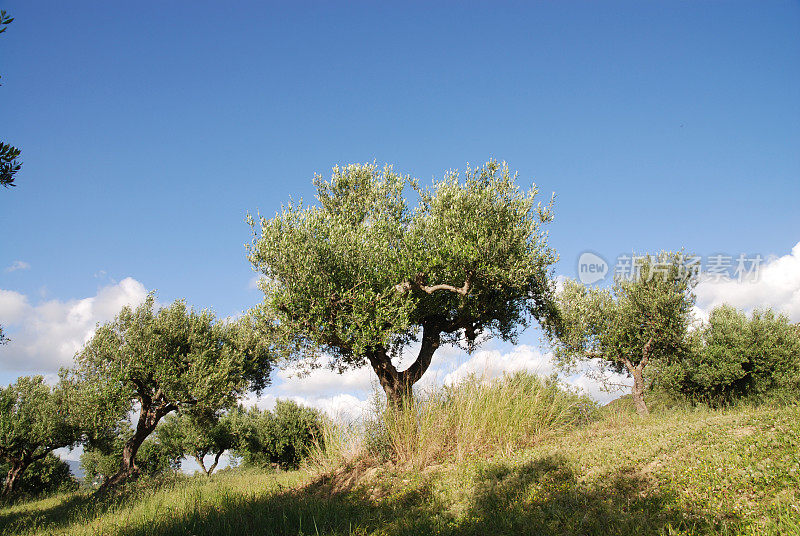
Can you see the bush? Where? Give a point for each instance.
(51, 474)
(734, 357)
(282, 437)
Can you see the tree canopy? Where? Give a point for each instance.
(170, 358)
(363, 276)
(735, 357)
(198, 435)
(35, 419)
(641, 319)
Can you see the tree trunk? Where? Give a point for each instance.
(216, 461)
(638, 391)
(12, 478)
(199, 459)
(398, 385)
(637, 371)
(148, 420)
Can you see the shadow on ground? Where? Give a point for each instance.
(541, 497)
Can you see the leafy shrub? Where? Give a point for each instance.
(48, 475)
(734, 357)
(282, 437)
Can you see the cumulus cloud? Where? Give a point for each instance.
(489, 364)
(777, 286)
(46, 336)
(18, 265)
(344, 407)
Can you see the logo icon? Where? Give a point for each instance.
(591, 268)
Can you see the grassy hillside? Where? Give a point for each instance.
(683, 472)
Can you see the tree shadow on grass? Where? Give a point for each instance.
(540, 497)
(75, 508)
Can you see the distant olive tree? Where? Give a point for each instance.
(735, 357)
(161, 360)
(642, 319)
(363, 276)
(35, 420)
(198, 436)
(282, 437)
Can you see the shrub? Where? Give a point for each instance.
(49, 475)
(734, 357)
(281, 437)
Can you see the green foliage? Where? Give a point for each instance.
(643, 319)
(283, 436)
(734, 357)
(362, 275)
(35, 419)
(169, 359)
(9, 165)
(616, 325)
(152, 459)
(198, 436)
(175, 357)
(51, 474)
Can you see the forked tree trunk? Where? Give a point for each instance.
(398, 385)
(199, 459)
(216, 461)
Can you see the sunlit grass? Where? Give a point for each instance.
(546, 470)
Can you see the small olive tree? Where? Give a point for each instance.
(282, 437)
(159, 361)
(642, 319)
(198, 436)
(35, 420)
(362, 276)
(735, 357)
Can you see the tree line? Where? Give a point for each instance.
(381, 267)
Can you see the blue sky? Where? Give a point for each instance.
(148, 130)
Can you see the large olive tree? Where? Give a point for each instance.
(171, 358)
(35, 420)
(362, 275)
(644, 317)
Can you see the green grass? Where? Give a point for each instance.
(734, 471)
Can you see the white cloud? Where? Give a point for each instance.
(489, 364)
(777, 287)
(46, 336)
(18, 265)
(324, 380)
(343, 406)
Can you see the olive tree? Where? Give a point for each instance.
(35, 420)
(198, 436)
(362, 275)
(735, 357)
(162, 360)
(641, 319)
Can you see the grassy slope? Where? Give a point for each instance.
(735, 471)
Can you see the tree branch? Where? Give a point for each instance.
(418, 283)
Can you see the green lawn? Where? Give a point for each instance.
(685, 472)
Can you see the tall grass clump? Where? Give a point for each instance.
(455, 422)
